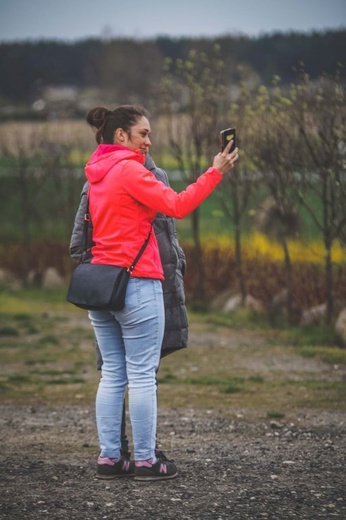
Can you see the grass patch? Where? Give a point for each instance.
(232, 388)
(330, 355)
(26, 373)
(39, 361)
(32, 302)
(275, 415)
(62, 381)
(19, 379)
(241, 319)
(167, 378)
(48, 340)
(9, 331)
(227, 385)
(312, 336)
(26, 323)
(320, 385)
(22, 317)
(256, 379)
(55, 364)
(53, 372)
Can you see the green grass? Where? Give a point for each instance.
(243, 318)
(320, 342)
(225, 384)
(331, 355)
(320, 385)
(8, 331)
(23, 305)
(275, 415)
(312, 336)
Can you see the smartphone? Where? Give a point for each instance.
(226, 136)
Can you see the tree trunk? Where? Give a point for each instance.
(199, 290)
(289, 283)
(237, 240)
(328, 241)
(26, 219)
(329, 283)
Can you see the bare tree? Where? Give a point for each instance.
(319, 113)
(195, 100)
(237, 188)
(277, 158)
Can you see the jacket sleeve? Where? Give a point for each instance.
(146, 189)
(78, 228)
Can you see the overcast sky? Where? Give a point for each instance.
(79, 19)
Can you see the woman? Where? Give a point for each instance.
(124, 198)
(174, 266)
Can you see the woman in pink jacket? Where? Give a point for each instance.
(124, 198)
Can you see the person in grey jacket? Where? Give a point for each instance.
(174, 266)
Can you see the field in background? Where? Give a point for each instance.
(36, 219)
(53, 149)
(47, 357)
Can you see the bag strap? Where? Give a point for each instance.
(87, 219)
(141, 251)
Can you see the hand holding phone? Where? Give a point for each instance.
(226, 136)
(224, 162)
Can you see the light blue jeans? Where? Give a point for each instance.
(130, 343)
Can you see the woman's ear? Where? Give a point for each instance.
(119, 135)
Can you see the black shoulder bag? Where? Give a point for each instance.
(100, 286)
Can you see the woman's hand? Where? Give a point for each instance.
(224, 161)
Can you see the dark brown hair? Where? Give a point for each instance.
(107, 121)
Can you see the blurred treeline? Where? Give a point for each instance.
(45, 78)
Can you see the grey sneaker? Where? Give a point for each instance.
(109, 468)
(161, 470)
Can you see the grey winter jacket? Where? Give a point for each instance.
(173, 263)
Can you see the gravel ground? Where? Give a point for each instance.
(241, 468)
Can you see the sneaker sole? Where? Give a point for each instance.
(112, 477)
(153, 478)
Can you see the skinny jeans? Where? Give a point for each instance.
(130, 344)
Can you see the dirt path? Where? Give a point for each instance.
(241, 468)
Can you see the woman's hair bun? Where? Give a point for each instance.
(97, 116)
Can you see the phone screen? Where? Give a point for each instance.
(226, 136)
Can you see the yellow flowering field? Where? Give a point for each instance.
(257, 244)
(263, 269)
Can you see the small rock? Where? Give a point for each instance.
(340, 326)
(275, 425)
(314, 316)
(52, 279)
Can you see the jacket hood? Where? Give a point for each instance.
(105, 157)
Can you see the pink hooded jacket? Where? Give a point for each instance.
(124, 198)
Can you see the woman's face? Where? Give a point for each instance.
(139, 138)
